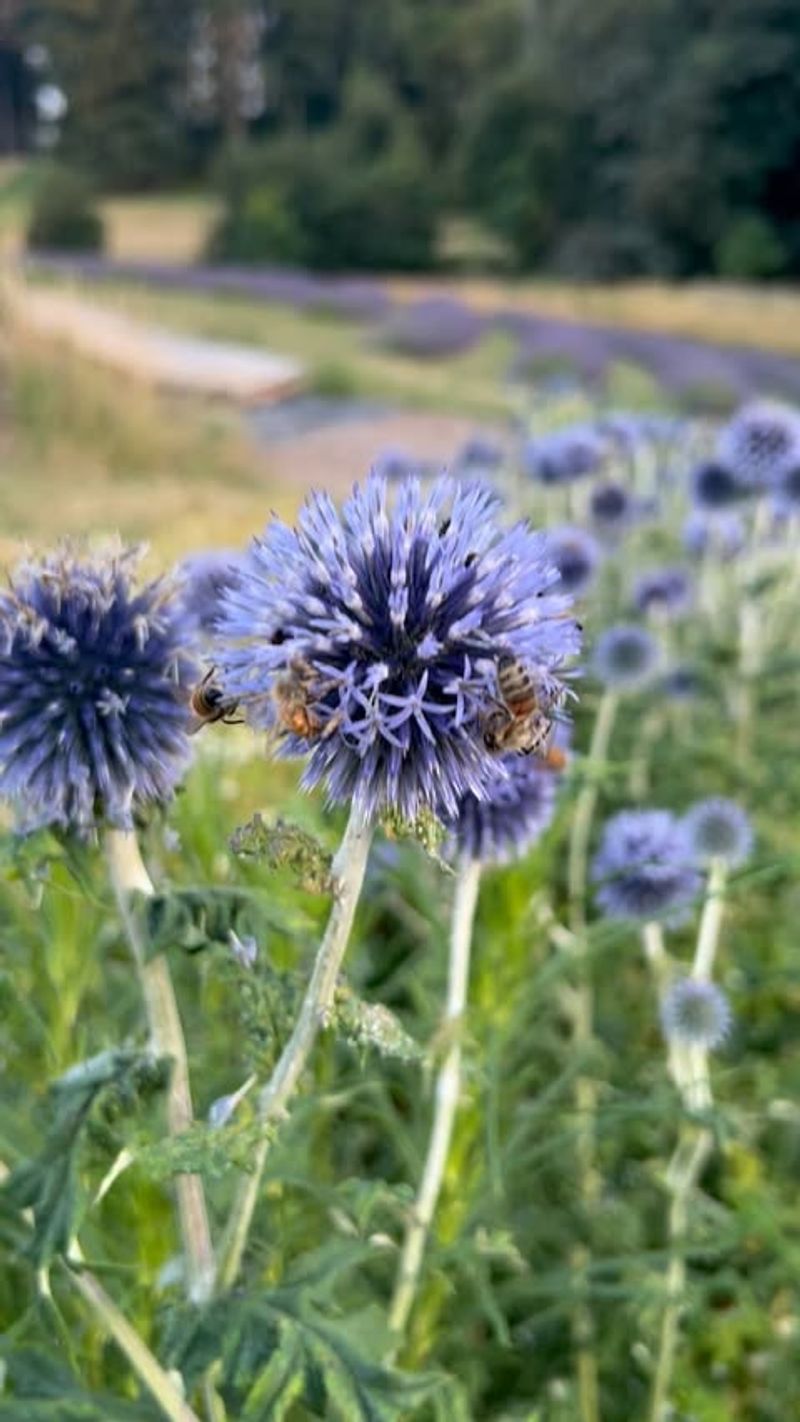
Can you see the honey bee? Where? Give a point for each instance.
(208, 703)
(295, 693)
(521, 719)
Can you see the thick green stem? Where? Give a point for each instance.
(129, 876)
(348, 876)
(447, 1092)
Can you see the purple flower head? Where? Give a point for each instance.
(643, 868)
(788, 490)
(577, 556)
(714, 486)
(518, 809)
(204, 577)
(391, 617)
(564, 455)
(94, 680)
(663, 590)
(760, 443)
(626, 657)
(480, 454)
(721, 534)
(681, 683)
(718, 829)
(611, 507)
(695, 1013)
(396, 464)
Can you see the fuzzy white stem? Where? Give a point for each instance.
(348, 876)
(710, 922)
(446, 1097)
(129, 876)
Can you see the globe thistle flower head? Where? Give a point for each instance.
(94, 680)
(386, 623)
(204, 578)
(626, 657)
(517, 810)
(666, 591)
(611, 507)
(479, 455)
(714, 486)
(718, 829)
(761, 442)
(695, 1013)
(577, 556)
(643, 868)
(681, 683)
(722, 534)
(564, 455)
(396, 465)
(788, 489)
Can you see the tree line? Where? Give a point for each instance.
(607, 139)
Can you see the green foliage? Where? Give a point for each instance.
(286, 846)
(37, 1388)
(87, 1099)
(63, 212)
(750, 249)
(197, 918)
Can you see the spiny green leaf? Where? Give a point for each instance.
(197, 918)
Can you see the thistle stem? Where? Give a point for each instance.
(710, 922)
(129, 876)
(447, 1091)
(585, 1092)
(348, 871)
(689, 1068)
(143, 1362)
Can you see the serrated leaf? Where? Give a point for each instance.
(40, 1389)
(198, 918)
(279, 1384)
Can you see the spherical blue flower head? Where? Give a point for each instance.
(721, 533)
(94, 678)
(714, 486)
(611, 507)
(394, 618)
(518, 809)
(643, 868)
(203, 579)
(626, 657)
(761, 442)
(479, 454)
(695, 1013)
(788, 490)
(577, 556)
(396, 464)
(681, 683)
(564, 455)
(665, 590)
(718, 829)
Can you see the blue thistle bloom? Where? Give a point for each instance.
(695, 1013)
(714, 486)
(394, 617)
(720, 533)
(665, 590)
(396, 464)
(204, 578)
(643, 868)
(518, 809)
(563, 455)
(760, 443)
(626, 657)
(480, 454)
(577, 556)
(94, 679)
(611, 507)
(718, 829)
(788, 490)
(681, 683)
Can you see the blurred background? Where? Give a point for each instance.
(379, 230)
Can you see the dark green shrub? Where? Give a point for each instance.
(64, 214)
(750, 250)
(258, 228)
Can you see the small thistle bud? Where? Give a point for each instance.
(718, 829)
(626, 657)
(695, 1013)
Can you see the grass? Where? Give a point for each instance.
(77, 457)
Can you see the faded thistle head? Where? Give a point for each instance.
(695, 1013)
(718, 829)
(369, 639)
(94, 674)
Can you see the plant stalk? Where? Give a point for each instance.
(710, 922)
(446, 1096)
(348, 876)
(129, 876)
